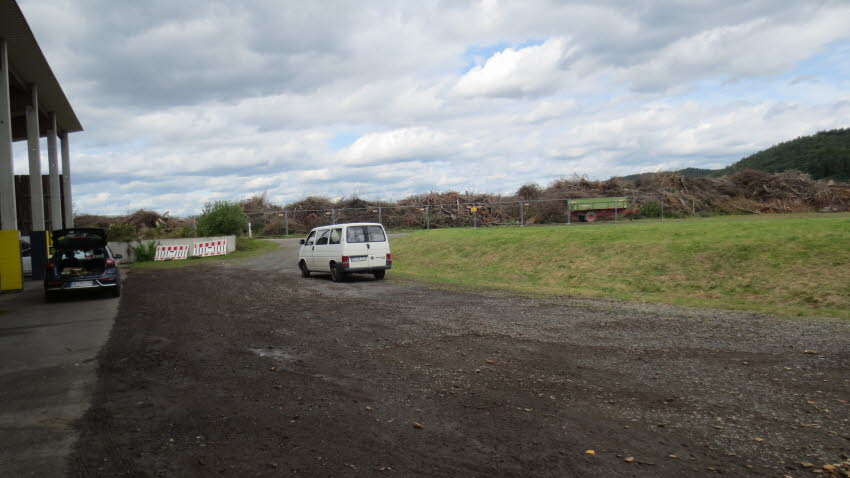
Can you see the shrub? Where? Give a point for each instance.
(185, 231)
(648, 209)
(121, 233)
(221, 218)
(145, 251)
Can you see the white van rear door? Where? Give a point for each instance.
(378, 246)
(355, 247)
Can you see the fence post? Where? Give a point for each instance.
(615, 211)
(333, 216)
(286, 221)
(569, 213)
(427, 217)
(521, 215)
(379, 216)
(662, 208)
(250, 234)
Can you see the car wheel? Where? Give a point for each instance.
(379, 275)
(304, 271)
(337, 275)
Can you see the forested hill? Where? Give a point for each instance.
(823, 155)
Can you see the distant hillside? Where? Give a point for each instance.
(825, 155)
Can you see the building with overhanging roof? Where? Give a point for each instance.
(32, 106)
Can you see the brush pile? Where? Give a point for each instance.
(669, 194)
(141, 224)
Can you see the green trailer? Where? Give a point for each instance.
(589, 209)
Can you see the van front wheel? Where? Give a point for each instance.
(379, 275)
(304, 271)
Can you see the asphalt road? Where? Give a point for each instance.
(243, 368)
(47, 373)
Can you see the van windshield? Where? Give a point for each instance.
(365, 234)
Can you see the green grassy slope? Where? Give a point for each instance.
(782, 264)
(823, 155)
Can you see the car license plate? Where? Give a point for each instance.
(358, 258)
(81, 283)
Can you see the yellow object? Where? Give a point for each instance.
(590, 452)
(473, 209)
(11, 272)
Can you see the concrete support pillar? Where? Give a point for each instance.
(38, 240)
(66, 180)
(8, 213)
(11, 275)
(34, 153)
(53, 166)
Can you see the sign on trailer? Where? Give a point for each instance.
(211, 248)
(168, 253)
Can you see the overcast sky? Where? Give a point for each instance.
(188, 101)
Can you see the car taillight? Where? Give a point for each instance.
(345, 261)
(110, 262)
(55, 282)
(389, 259)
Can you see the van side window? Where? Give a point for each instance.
(336, 235)
(323, 238)
(310, 239)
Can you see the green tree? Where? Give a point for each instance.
(221, 218)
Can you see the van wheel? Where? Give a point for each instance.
(304, 271)
(337, 275)
(379, 275)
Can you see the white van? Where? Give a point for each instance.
(343, 249)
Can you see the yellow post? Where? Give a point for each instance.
(11, 273)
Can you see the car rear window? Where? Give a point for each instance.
(365, 234)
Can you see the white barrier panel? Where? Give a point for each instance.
(212, 248)
(168, 253)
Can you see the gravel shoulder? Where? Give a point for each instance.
(243, 368)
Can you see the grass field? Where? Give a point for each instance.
(244, 248)
(782, 264)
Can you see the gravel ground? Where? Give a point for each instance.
(243, 368)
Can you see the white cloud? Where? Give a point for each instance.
(758, 47)
(526, 71)
(400, 144)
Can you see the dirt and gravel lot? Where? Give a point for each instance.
(243, 368)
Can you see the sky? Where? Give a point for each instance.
(190, 101)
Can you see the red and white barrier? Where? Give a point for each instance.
(169, 253)
(211, 248)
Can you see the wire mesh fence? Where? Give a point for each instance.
(281, 222)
